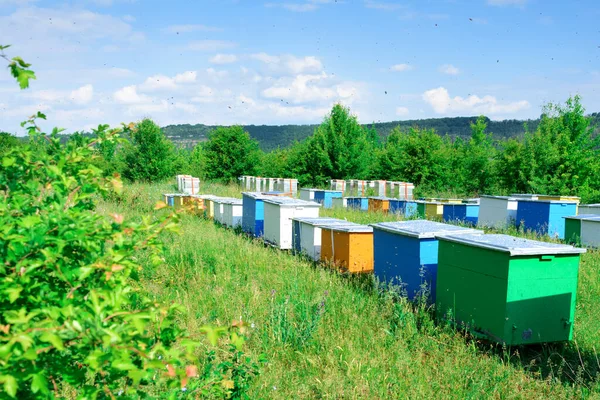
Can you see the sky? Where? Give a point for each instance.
(287, 62)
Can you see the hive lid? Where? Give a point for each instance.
(487, 196)
(322, 221)
(235, 202)
(289, 202)
(310, 189)
(548, 201)
(423, 229)
(597, 205)
(513, 245)
(350, 228)
(330, 191)
(431, 202)
(254, 195)
(380, 198)
(586, 217)
(356, 197)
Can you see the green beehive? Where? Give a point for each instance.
(573, 227)
(510, 290)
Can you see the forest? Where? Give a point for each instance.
(271, 137)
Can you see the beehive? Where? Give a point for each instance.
(589, 209)
(545, 216)
(381, 204)
(339, 202)
(307, 235)
(430, 210)
(279, 212)
(583, 229)
(461, 213)
(307, 194)
(497, 211)
(556, 197)
(406, 253)
(232, 213)
(510, 290)
(404, 208)
(253, 218)
(358, 203)
(209, 206)
(348, 247)
(325, 197)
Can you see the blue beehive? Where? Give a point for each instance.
(325, 197)
(402, 207)
(358, 203)
(406, 253)
(545, 216)
(253, 217)
(464, 213)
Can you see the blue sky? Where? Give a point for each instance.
(278, 62)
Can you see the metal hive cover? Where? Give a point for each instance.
(289, 202)
(590, 205)
(548, 201)
(380, 198)
(423, 229)
(320, 221)
(254, 195)
(352, 228)
(232, 201)
(487, 196)
(584, 216)
(513, 245)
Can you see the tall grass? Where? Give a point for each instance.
(330, 335)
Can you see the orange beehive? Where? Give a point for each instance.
(349, 247)
(381, 204)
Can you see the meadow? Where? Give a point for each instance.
(324, 334)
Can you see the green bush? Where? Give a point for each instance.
(72, 317)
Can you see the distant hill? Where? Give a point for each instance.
(272, 136)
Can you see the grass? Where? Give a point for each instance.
(329, 335)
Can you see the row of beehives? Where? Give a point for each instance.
(510, 290)
(543, 214)
(355, 187)
(260, 184)
(188, 184)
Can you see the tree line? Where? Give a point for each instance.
(559, 156)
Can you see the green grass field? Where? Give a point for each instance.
(329, 335)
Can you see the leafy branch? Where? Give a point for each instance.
(19, 69)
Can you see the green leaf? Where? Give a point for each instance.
(22, 63)
(6, 46)
(213, 334)
(39, 384)
(13, 293)
(53, 339)
(10, 385)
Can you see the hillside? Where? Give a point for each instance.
(272, 136)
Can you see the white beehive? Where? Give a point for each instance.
(279, 212)
(307, 234)
(232, 213)
(497, 211)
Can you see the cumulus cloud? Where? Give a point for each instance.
(129, 95)
(290, 64)
(401, 67)
(441, 102)
(309, 88)
(449, 69)
(223, 59)
(83, 95)
(186, 77)
(210, 45)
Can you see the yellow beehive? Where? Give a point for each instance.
(381, 204)
(348, 247)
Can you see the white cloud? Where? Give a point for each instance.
(83, 95)
(47, 96)
(402, 111)
(309, 88)
(186, 77)
(309, 5)
(401, 67)
(441, 102)
(290, 64)
(449, 69)
(507, 2)
(129, 95)
(223, 58)
(190, 28)
(158, 82)
(210, 45)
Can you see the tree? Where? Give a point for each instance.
(230, 153)
(477, 160)
(150, 155)
(8, 141)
